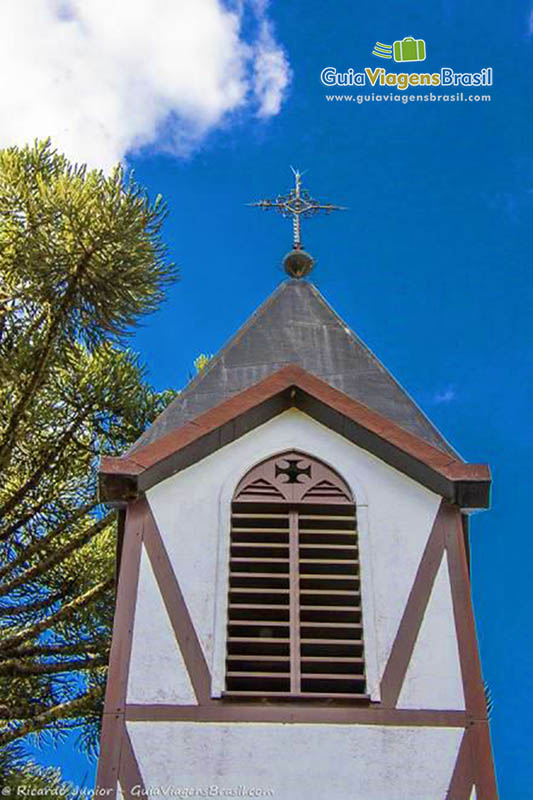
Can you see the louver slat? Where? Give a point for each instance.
(330, 613)
(258, 613)
(325, 490)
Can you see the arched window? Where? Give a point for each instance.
(294, 620)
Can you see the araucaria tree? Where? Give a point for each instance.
(81, 259)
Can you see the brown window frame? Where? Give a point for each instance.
(292, 513)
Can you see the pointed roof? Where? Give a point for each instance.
(295, 325)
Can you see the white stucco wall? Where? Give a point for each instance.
(299, 762)
(395, 516)
(433, 678)
(157, 670)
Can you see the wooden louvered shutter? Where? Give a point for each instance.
(294, 618)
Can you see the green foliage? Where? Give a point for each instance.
(201, 361)
(18, 772)
(91, 241)
(81, 259)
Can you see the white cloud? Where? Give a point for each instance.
(105, 78)
(445, 396)
(272, 72)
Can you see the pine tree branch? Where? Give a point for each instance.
(36, 323)
(13, 527)
(33, 480)
(64, 613)
(36, 722)
(25, 711)
(28, 608)
(43, 542)
(56, 558)
(16, 669)
(80, 648)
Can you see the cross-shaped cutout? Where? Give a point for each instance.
(293, 471)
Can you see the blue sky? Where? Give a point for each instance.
(431, 264)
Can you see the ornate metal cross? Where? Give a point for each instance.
(297, 203)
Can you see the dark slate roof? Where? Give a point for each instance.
(295, 325)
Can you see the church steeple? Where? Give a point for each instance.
(293, 578)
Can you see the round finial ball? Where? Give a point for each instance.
(298, 263)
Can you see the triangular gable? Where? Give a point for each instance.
(124, 478)
(295, 325)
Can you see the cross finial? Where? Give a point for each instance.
(297, 203)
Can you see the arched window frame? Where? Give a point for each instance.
(293, 480)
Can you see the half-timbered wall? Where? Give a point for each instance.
(395, 516)
(413, 740)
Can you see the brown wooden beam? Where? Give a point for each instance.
(119, 658)
(306, 713)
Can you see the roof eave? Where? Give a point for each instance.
(124, 478)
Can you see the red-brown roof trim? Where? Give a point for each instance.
(125, 477)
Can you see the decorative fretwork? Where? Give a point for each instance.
(297, 204)
(294, 470)
(293, 476)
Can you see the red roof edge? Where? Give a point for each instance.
(290, 377)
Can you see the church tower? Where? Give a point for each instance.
(293, 616)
